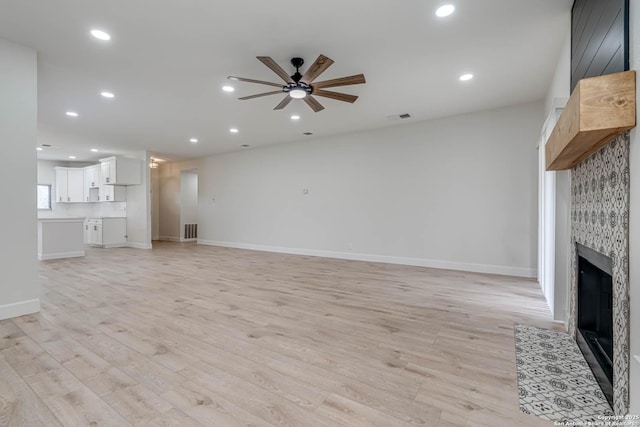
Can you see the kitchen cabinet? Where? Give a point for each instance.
(96, 191)
(92, 183)
(120, 171)
(69, 185)
(112, 193)
(106, 232)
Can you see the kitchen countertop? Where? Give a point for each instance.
(62, 219)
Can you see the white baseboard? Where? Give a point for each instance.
(60, 255)
(155, 238)
(169, 238)
(417, 262)
(116, 245)
(139, 245)
(188, 240)
(21, 308)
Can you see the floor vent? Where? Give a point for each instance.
(191, 231)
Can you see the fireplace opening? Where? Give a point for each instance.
(595, 315)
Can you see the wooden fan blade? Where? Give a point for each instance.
(317, 68)
(261, 82)
(287, 99)
(260, 94)
(342, 81)
(336, 95)
(266, 60)
(313, 103)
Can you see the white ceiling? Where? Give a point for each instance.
(167, 61)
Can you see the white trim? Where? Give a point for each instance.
(169, 238)
(115, 245)
(21, 308)
(60, 255)
(418, 262)
(637, 358)
(139, 245)
(155, 238)
(188, 240)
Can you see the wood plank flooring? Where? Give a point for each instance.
(188, 335)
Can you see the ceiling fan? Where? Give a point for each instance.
(301, 86)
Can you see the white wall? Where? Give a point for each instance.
(47, 175)
(139, 208)
(634, 223)
(188, 199)
(19, 289)
(557, 95)
(560, 87)
(458, 192)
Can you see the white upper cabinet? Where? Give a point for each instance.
(92, 183)
(121, 171)
(62, 178)
(92, 176)
(69, 185)
(113, 193)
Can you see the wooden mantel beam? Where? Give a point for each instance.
(599, 109)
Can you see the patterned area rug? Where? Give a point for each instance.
(554, 380)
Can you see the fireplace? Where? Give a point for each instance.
(594, 332)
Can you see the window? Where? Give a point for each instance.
(44, 196)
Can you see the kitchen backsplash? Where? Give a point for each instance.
(85, 210)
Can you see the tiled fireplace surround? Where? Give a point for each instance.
(600, 221)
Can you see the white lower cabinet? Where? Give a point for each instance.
(106, 232)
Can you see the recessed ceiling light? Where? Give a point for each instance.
(466, 77)
(100, 35)
(107, 94)
(295, 117)
(39, 148)
(228, 88)
(72, 114)
(445, 10)
(95, 150)
(233, 130)
(193, 140)
(72, 157)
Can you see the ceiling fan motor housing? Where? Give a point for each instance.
(297, 86)
(297, 63)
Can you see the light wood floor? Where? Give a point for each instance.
(188, 335)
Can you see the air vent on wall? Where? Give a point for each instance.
(46, 145)
(308, 133)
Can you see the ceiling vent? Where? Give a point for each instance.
(308, 133)
(399, 116)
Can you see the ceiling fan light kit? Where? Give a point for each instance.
(301, 86)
